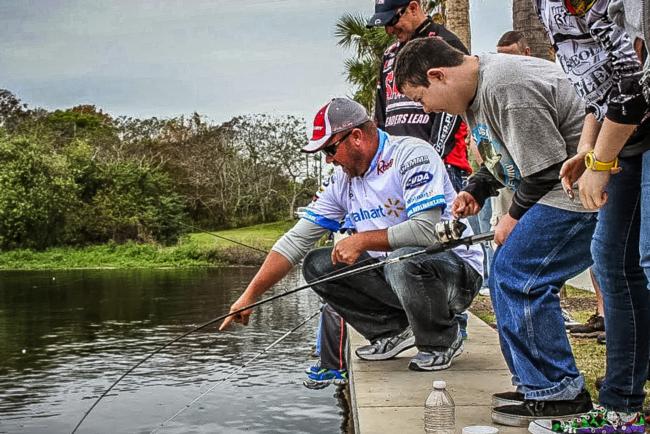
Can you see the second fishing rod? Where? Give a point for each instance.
(447, 232)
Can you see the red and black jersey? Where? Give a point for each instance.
(399, 116)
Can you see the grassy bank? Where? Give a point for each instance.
(193, 250)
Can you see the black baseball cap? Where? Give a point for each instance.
(385, 11)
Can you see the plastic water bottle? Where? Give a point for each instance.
(439, 411)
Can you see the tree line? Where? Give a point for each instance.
(81, 176)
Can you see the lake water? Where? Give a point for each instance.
(65, 336)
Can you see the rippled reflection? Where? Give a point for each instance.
(66, 336)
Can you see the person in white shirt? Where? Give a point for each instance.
(394, 189)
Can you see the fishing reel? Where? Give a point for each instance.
(449, 230)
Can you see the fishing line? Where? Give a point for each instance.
(215, 320)
(223, 238)
(466, 241)
(241, 368)
(265, 252)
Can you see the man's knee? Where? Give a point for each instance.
(317, 264)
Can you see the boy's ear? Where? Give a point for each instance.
(435, 74)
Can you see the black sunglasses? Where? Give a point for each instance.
(331, 149)
(393, 21)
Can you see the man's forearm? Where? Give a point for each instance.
(373, 240)
(274, 268)
(589, 134)
(611, 139)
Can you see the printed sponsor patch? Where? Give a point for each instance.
(383, 166)
(418, 179)
(367, 214)
(418, 161)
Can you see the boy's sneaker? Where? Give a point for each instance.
(598, 420)
(387, 348)
(592, 328)
(437, 360)
(484, 291)
(507, 398)
(599, 382)
(601, 338)
(569, 322)
(530, 410)
(325, 377)
(313, 368)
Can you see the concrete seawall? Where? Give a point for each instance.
(388, 398)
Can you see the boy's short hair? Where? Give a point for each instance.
(420, 55)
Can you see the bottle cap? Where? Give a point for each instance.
(439, 384)
(478, 429)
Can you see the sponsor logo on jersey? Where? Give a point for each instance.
(417, 161)
(367, 214)
(383, 166)
(394, 207)
(418, 179)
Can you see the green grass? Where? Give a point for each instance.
(193, 250)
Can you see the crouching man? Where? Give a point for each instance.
(394, 189)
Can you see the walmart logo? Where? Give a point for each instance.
(394, 207)
(367, 214)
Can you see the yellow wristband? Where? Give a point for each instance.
(599, 166)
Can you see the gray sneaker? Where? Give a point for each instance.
(437, 360)
(387, 348)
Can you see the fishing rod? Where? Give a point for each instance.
(241, 368)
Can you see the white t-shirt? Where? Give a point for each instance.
(406, 176)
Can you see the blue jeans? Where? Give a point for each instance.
(424, 292)
(547, 247)
(484, 217)
(644, 245)
(458, 177)
(615, 250)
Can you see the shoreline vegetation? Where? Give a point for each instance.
(197, 249)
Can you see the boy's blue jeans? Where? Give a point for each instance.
(546, 247)
(623, 226)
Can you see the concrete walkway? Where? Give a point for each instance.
(388, 398)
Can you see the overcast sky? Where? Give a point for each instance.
(164, 58)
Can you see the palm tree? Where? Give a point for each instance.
(457, 20)
(362, 70)
(369, 45)
(525, 20)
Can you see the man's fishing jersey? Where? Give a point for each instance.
(405, 177)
